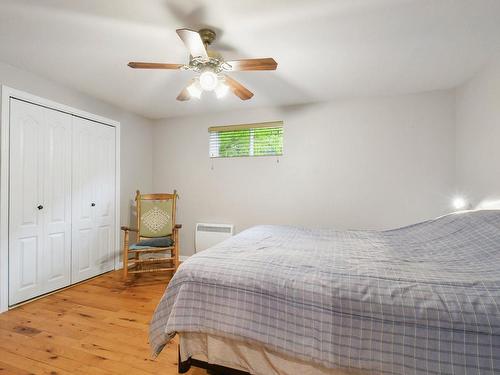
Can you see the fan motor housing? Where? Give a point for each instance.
(207, 36)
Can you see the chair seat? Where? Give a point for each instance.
(150, 259)
(141, 247)
(151, 263)
(153, 254)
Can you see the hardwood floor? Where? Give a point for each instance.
(99, 327)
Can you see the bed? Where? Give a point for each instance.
(422, 299)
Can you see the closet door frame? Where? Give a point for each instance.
(7, 93)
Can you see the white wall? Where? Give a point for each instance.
(368, 163)
(478, 138)
(136, 131)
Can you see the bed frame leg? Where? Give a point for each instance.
(182, 367)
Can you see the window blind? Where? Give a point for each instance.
(259, 139)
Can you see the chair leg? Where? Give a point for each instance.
(125, 255)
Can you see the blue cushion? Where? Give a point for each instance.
(156, 242)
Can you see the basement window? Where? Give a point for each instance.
(259, 139)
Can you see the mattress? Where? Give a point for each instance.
(420, 299)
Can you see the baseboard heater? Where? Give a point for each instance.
(208, 235)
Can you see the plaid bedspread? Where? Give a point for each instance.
(422, 299)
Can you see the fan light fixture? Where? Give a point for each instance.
(221, 90)
(208, 80)
(195, 90)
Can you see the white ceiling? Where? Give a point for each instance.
(325, 48)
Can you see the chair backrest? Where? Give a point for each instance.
(155, 214)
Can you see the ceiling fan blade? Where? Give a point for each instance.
(193, 43)
(238, 89)
(184, 94)
(146, 65)
(253, 64)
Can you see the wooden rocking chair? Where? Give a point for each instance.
(157, 246)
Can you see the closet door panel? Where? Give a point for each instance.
(26, 269)
(83, 234)
(104, 260)
(57, 192)
(84, 254)
(58, 262)
(26, 194)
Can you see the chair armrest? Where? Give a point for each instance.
(177, 226)
(127, 229)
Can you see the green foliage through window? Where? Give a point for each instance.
(268, 141)
(245, 140)
(234, 143)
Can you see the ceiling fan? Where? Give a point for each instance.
(210, 67)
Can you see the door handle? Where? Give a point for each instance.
(40, 207)
(92, 204)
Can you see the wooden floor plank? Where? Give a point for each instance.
(99, 327)
(11, 370)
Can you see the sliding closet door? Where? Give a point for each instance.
(93, 198)
(39, 207)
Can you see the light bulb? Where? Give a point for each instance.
(459, 203)
(194, 90)
(208, 80)
(221, 90)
